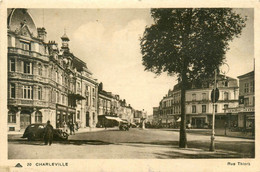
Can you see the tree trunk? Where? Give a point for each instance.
(183, 137)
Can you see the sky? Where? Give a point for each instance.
(108, 41)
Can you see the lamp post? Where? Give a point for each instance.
(214, 98)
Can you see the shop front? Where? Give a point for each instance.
(64, 115)
(61, 116)
(198, 122)
(245, 117)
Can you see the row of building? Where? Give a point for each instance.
(46, 82)
(235, 107)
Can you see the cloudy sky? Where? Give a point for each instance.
(108, 41)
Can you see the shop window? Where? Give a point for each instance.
(12, 90)
(38, 117)
(12, 65)
(11, 117)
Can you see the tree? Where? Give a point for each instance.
(190, 43)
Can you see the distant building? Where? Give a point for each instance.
(245, 112)
(199, 107)
(156, 114)
(137, 116)
(198, 103)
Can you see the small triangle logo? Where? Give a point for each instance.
(18, 165)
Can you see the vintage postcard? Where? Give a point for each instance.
(129, 86)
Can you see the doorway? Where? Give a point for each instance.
(87, 119)
(25, 119)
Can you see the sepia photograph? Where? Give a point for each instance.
(153, 83)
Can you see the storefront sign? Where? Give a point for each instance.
(61, 108)
(71, 110)
(236, 110)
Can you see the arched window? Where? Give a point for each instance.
(11, 116)
(38, 117)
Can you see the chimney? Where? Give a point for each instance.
(42, 33)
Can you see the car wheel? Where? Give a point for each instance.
(65, 135)
(30, 138)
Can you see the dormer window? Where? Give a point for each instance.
(25, 45)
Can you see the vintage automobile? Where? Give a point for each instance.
(36, 132)
(124, 127)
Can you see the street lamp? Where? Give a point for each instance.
(214, 100)
(214, 97)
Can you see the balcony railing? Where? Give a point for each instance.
(27, 53)
(29, 102)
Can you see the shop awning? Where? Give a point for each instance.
(114, 118)
(77, 96)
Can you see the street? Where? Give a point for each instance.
(133, 144)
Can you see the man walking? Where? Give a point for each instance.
(48, 133)
(71, 126)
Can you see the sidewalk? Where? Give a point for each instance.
(221, 132)
(89, 129)
(80, 130)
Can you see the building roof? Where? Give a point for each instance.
(16, 16)
(65, 37)
(252, 73)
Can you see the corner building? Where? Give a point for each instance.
(41, 77)
(198, 105)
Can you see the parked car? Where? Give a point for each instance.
(36, 132)
(124, 127)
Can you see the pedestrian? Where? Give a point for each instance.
(48, 133)
(71, 125)
(189, 126)
(76, 126)
(65, 127)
